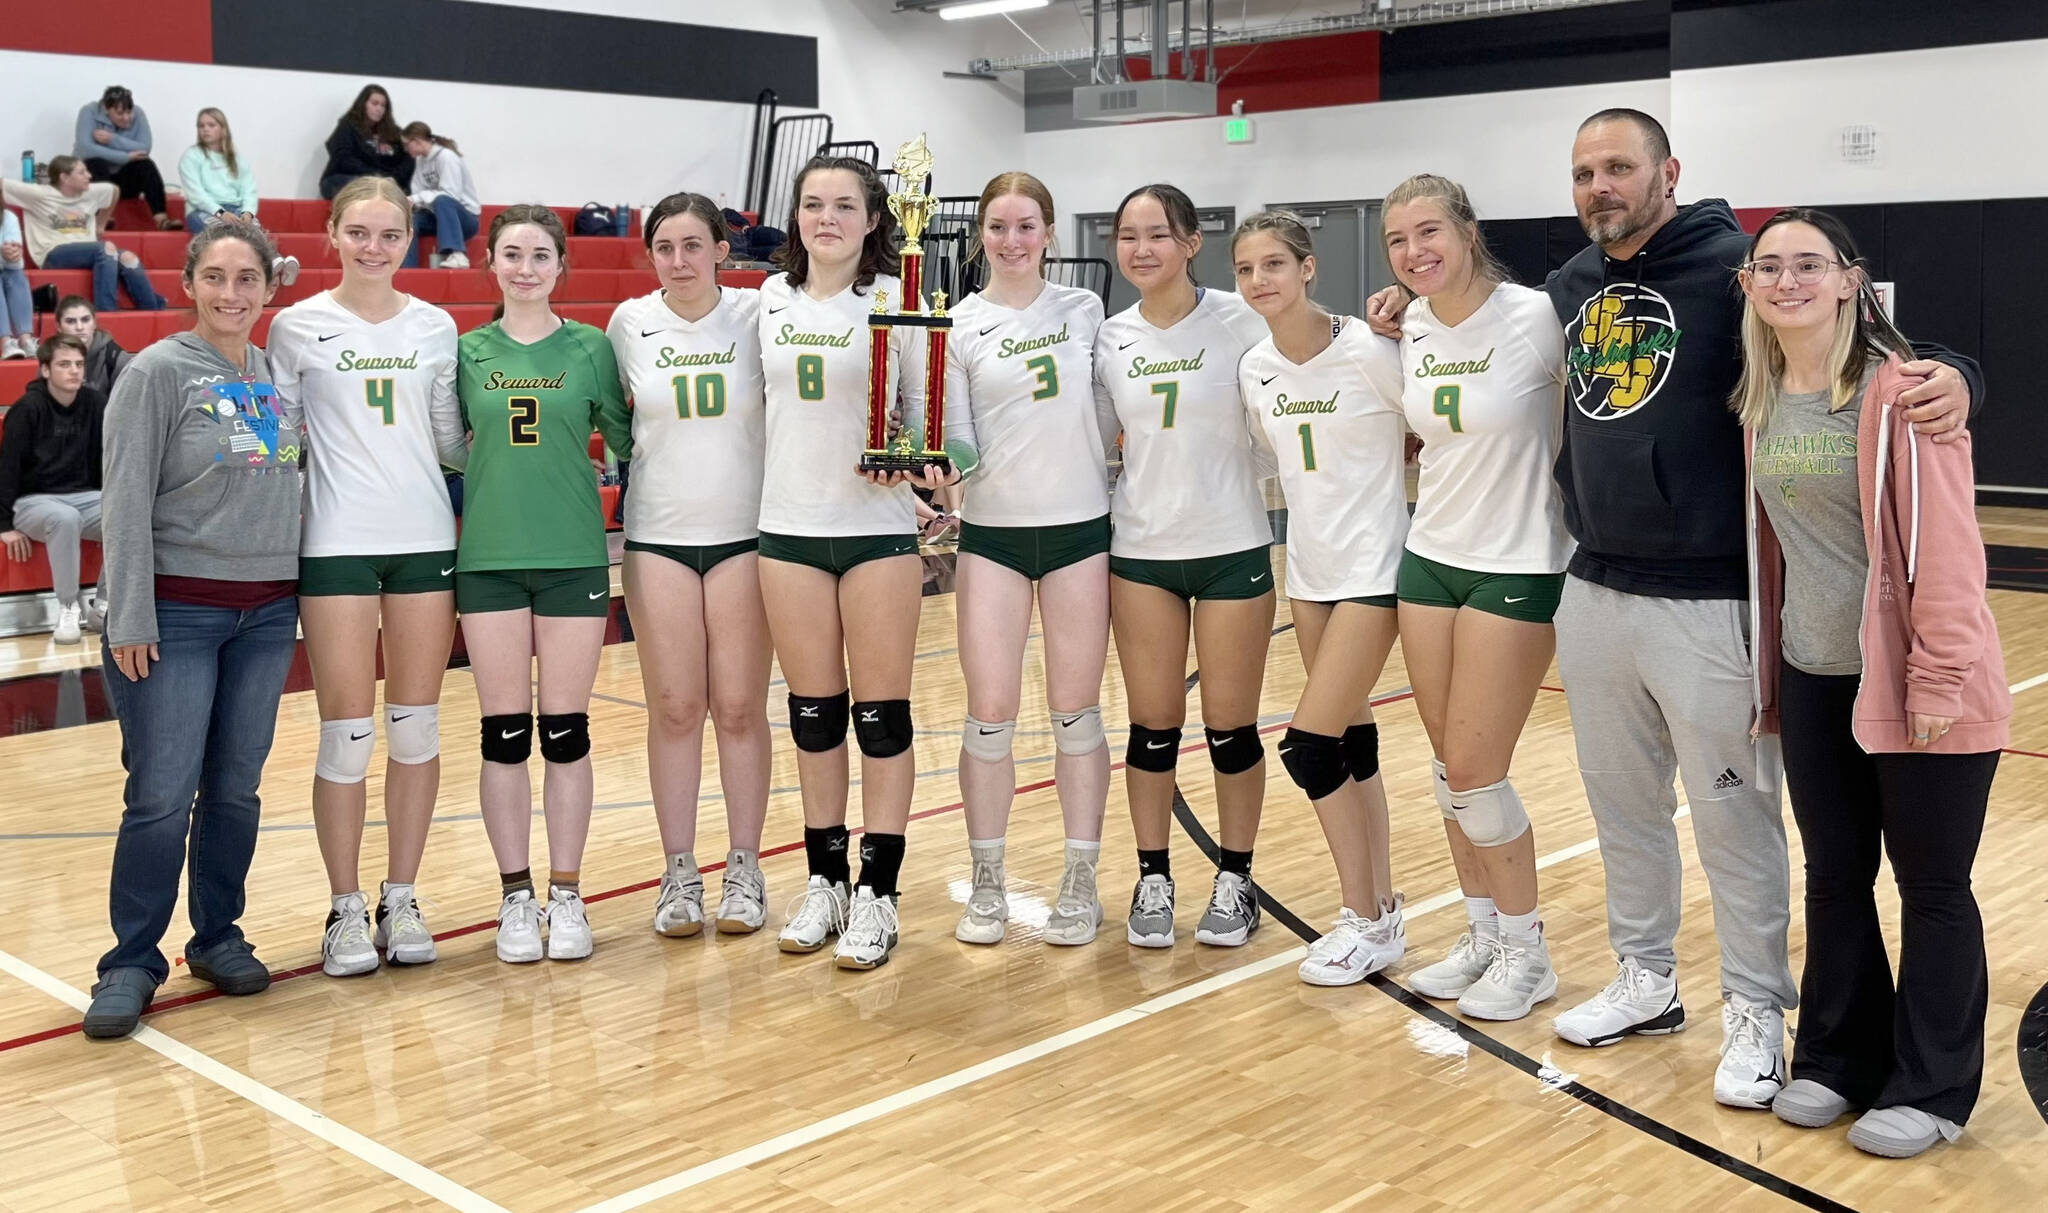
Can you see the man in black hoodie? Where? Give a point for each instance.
(1652, 633)
(50, 475)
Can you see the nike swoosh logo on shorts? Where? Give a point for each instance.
(598, 595)
(448, 570)
(1523, 598)
(1258, 577)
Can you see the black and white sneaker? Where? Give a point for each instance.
(1233, 913)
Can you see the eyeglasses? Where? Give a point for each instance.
(1805, 271)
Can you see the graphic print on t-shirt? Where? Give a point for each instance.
(248, 417)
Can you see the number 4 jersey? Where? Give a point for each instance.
(378, 403)
(1334, 426)
(530, 497)
(1487, 398)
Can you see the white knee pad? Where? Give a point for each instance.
(412, 734)
(345, 747)
(1440, 783)
(1078, 732)
(987, 740)
(1491, 816)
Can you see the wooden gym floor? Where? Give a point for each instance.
(717, 1072)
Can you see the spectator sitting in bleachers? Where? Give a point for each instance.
(104, 357)
(114, 141)
(365, 143)
(444, 202)
(50, 475)
(17, 313)
(62, 219)
(216, 181)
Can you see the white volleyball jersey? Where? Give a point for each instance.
(814, 360)
(1487, 399)
(1190, 486)
(1029, 376)
(1334, 426)
(699, 420)
(381, 416)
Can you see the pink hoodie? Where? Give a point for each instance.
(1929, 642)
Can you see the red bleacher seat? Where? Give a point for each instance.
(33, 574)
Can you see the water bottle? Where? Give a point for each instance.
(28, 165)
(622, 219)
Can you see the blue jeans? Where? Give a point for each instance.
(194, 736)
(446, 220)
(105, 267)
(17, 313)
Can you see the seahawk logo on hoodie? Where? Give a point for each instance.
(1624, 344)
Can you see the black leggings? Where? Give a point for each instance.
(1923, 1045)
(137, 179)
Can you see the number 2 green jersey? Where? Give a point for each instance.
(529, 496)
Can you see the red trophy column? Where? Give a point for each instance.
(879, 404)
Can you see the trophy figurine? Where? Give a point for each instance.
(909, 452)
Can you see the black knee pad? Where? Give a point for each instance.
(1155, 750)
(818, 722)
(1315, 761)
(1362, 751)
(566, 737)
(1235, 751)
(882, 726)
(508, 738)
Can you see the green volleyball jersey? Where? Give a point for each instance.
(529, 495)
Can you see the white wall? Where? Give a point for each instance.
(1511, 151)
(879, 76)
(1954, 123)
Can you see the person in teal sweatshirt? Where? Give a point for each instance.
(216, 181)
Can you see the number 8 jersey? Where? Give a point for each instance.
(1190, 486)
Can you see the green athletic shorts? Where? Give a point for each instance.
(1035, 551)
(699, 558)
(1245, 574)
(409, 573)
(557, 593)
(1530, 597)
(836, 555)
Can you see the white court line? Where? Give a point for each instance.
(923, 1092)
(278, 1104)
(2029, 684)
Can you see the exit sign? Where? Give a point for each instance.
(1238, 130)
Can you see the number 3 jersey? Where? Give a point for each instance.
(1334, 426)
(530, 497)
(1028, 375)
(378, 403)
(1487, 398)
(1190, 486)
(698, 419)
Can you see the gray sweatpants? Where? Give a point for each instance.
(1658, 685)
(58, 521)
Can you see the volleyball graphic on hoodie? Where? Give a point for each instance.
(1625, 340)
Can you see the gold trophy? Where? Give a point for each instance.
(908, 452)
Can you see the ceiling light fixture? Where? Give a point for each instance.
(988, 8)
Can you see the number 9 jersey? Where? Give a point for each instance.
(530, 495)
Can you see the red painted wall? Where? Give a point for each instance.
(1300, 73)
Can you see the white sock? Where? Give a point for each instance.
(683, 866)
(1480, 913)
(1521, 928)
(742, 857)
(986, 848)
(1082, 849)
(395, 894)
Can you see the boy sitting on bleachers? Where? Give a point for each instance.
(50, 475)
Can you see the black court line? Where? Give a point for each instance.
(1547, 1075)
(2033, 1049)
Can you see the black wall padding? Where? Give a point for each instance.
(2011, 437)
(469, 43)
(1600, 45)
(1724, 33)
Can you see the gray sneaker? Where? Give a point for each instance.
(1808, 1104)
(1517, 977)
(1233, 913)
(1077, 909)
(1151, 924)
(1900, 1132)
